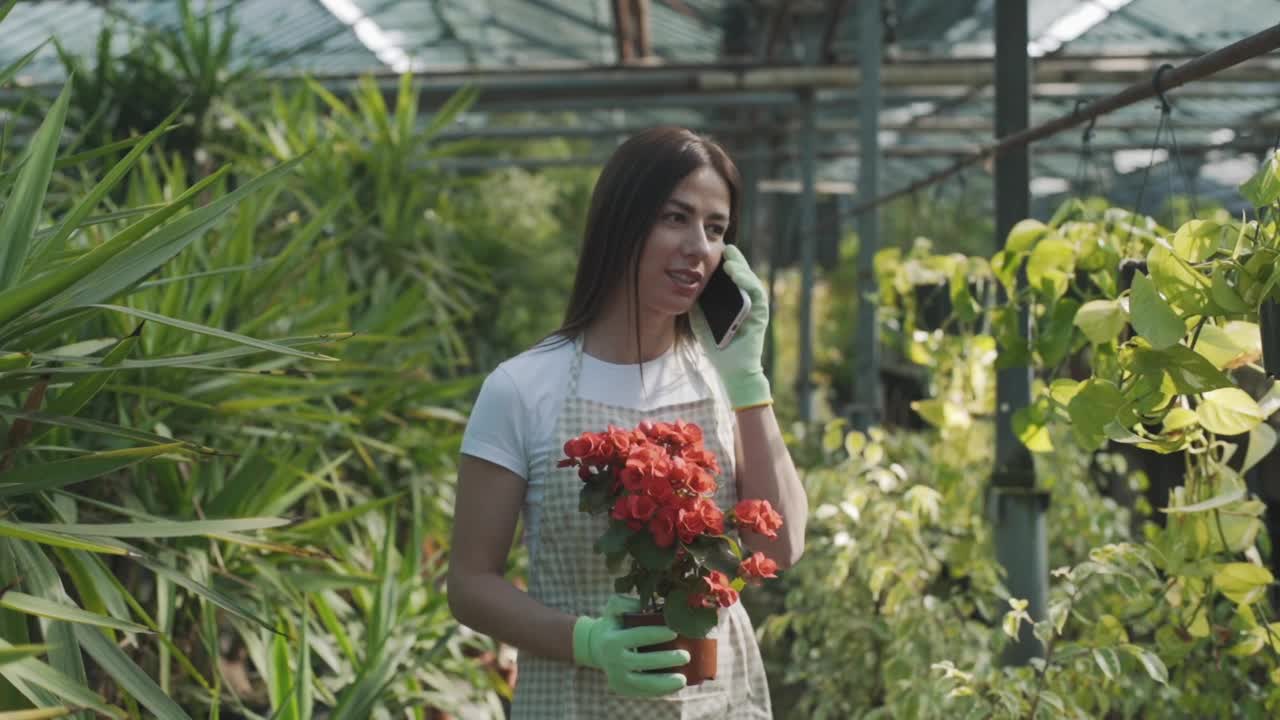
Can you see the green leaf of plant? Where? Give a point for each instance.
(40, 607)
(1262, 440)
(1180, 418)
(26, 202)
(1264, 187)
(1031, 426)
(40, 477)
(690, 622)
(42, 537)
(1097, 403)
(1056, 332)
(594, 496)
(217, 597)
(648, 554)
(304, 692)
(216, 332)
(1051, 265)
(1150, 662)
(49, 679)
(1063, 390)
(131, 678)
(614, 538)
(44, 713)
(1190, 371)
(1223, 292)
(280, 679)
(72, 399)
(1213, 503)
(1229, 411)
(1101, 320)
(16, 66)
(1196, 240)
(94, 426)
(13, 653)
(1183, 287)
(1243, 583)
(1024, 234)
(163, 529)
(715, 553)
(334, 519)
(1152, 317)
(1219, 346)
(1108, 661)
(46, 288)
(123, 269)
(88, 201)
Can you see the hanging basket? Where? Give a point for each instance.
(1269, 322)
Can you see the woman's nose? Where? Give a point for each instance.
(697, 243)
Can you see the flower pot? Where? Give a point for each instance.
(702, 651)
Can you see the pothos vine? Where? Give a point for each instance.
(1167, 323)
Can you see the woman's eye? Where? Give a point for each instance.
(674, 216)
(717, 230)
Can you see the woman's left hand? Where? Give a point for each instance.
(739, 363)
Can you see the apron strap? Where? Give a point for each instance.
(575, 368)
(687, 357)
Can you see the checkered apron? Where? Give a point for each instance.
(564, 573)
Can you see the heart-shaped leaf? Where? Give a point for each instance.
(1101, 320)
(1229, 411)
(1153, 319)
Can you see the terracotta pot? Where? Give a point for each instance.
(702, 651)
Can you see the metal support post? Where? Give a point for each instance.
(867, 410)
(748, 235)
(1018, 507)
(808, 253)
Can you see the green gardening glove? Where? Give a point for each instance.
(739, 364)
(603, 644)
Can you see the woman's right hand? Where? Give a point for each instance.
(602, 643)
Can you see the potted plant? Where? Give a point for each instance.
(657, 484)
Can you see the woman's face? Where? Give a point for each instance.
(685, 244)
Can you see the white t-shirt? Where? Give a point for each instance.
(513, 422)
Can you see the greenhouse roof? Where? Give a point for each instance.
(558, 56)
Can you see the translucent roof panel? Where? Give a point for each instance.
(339, 39)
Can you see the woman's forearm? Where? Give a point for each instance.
(490, 604)
(767, 473)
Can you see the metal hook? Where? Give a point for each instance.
(1087, 135)
(1165, 107)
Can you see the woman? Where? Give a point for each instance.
(633, 346)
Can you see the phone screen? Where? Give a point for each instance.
(722, 304)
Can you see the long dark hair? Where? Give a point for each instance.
(632, 188)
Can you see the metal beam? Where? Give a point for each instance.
(1018, 506)
(1208, 65)
(921, 152)
(867, 407)
(808, 257)
(923, 126)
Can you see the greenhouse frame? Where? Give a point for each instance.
(1020, 275)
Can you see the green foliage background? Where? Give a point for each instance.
(236, 356)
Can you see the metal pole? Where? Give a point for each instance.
(1202, 67)
(748, 238)
(1021, 544)
(867, 409)
(808, 252)
(784, 231)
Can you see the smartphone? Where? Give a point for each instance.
(725, 305)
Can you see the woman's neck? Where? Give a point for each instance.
(612, 336)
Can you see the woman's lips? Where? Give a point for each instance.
(686, 282)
